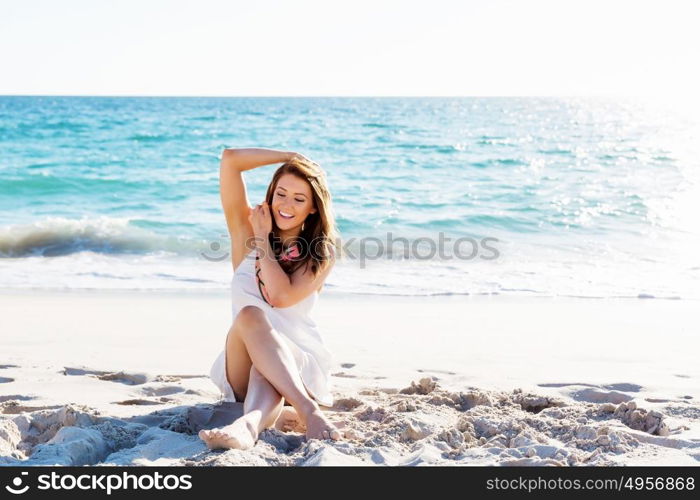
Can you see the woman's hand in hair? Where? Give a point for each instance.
(299, 156)
(261, 220)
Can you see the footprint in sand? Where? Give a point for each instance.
(347, 365)
(139, 402)
(12, 407)
(81, 371)
(161, 390)
(599, 394)
(128, 378)
(2, 367)
(445, 372)
(344, 375)
(16, 397)
(679, 399)
(624, 387)
(5, 380)
(195, 392)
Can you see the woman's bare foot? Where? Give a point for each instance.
(241, 434)
(319, 427)
(289, 421)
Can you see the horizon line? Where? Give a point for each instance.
(626, 95)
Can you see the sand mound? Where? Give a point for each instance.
(420, 424)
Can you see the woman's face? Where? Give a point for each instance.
(292, 201)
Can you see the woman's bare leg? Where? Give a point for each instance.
(273, 359)
(253, 341)
(238, 369)
(263, 404)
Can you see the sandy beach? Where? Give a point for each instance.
(118, 378)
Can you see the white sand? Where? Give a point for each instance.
(118, 378)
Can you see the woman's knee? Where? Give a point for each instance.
(249, 319)
(250, 314)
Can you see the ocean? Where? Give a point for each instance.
(556, 197)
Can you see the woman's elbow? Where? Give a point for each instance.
(228, 158)
(227, 154)
(280, 300)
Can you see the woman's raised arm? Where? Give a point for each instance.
(248, 158)
(234, 198)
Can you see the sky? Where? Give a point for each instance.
(358, 48)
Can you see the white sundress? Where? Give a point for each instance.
(294, 324)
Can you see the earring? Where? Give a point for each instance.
(302, 225)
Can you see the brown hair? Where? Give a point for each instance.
(318, 236)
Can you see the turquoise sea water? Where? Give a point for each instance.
(582, 197)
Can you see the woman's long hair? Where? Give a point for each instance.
(319, 234)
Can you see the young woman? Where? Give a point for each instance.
(282, 252)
